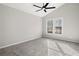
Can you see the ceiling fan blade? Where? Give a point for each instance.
(45, 10)
(37, 6)
(39, 10)
(50, 7)
(46, 4)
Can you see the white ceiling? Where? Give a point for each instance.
(28, 7)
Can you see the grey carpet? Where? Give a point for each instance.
(42, 47)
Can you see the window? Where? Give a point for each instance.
(50, 26)
(55, 26)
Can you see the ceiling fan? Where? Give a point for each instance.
(44, 7)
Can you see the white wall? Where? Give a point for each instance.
(17, 26)
(70, 14)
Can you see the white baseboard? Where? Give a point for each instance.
(62, 38)
(32, 38)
